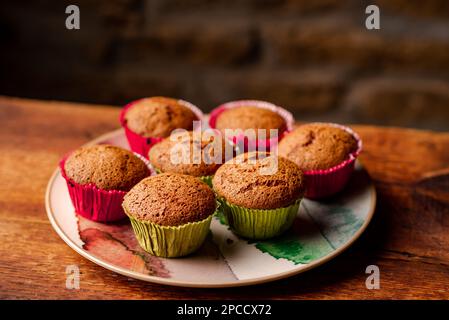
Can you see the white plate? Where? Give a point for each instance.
(321, 231)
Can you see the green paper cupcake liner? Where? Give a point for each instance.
(157, 170)
(206, 179)
(259, 224)
(170, 242)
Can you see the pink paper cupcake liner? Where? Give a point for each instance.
(251, 145)
(324, 183)
(94, 203)
(141, 144)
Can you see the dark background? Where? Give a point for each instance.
(313, 57)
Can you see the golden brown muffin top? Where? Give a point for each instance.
(158, 117)
(317, 146)
(240, 181)
(179, 156)
(107, 167)
(170, 199)
(250, 117)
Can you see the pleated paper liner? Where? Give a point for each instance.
(94, 203)
(258, 224)
(170, 242)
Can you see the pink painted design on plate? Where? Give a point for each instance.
(248, 143)
(141, 144)
(116, 244)
(324, 183)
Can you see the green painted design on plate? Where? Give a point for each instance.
(337, 223)
(303, 243)
(293, 249)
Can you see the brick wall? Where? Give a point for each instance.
(314, 57)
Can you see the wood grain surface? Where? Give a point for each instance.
(408, 238)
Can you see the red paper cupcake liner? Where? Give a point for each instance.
(324, 183)
(141, 144)
(252, 145)
(94, 203)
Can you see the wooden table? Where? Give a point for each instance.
(408, 238)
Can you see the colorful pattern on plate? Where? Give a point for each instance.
(319, 230)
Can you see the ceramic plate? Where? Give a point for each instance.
(321, 231)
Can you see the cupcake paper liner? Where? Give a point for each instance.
(258, 224)
(207, 180)
(324, 183)
(94, 203)
(141, 144)
(170, 242)
(252, 145)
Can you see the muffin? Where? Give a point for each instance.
(177, 155)
(325, 152)
(251, 115)
(260, 194)
(99, 176)
(170, 213)
(149, 120)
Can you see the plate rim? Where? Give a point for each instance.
(191, 284)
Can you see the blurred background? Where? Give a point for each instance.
(315, 58)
